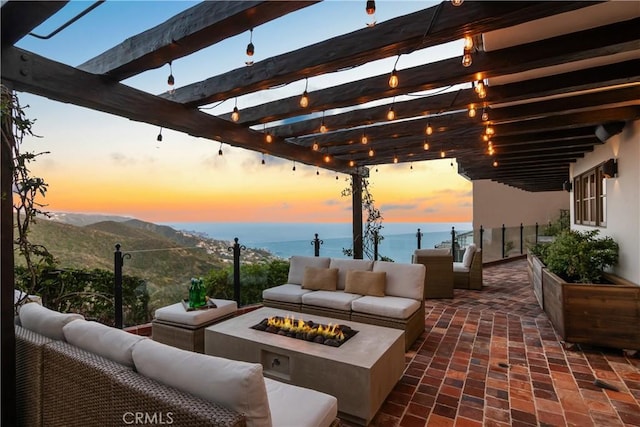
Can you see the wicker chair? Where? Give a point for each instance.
(468, 277)
(438, 280)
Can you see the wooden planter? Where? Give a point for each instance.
(588, 313)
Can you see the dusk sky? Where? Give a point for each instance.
(100, 163)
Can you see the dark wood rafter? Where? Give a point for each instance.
(196, 28)
(19, 18)
(429, 27)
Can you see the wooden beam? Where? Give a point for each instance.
(196, 28)
(32, 73)
(429, 27)
(19, 18)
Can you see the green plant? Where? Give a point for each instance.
(580, 256)
(561, 224)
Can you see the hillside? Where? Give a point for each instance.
(159, 254)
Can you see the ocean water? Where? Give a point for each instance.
(287, 239)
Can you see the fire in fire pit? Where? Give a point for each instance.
(332, 335)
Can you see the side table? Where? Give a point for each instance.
(177, 327)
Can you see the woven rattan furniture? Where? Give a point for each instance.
(175, 326)
(469, 277)
(438, 280)
(58, 384)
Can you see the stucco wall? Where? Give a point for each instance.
(495, 204)
(623, 197)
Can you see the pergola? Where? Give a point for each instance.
(558, 77)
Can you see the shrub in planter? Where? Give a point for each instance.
(580, 256)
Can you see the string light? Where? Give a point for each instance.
(480, 89)
(159, 137)
(442, 153)
(411, 166)
(220, 150)
(304, 100)
(485, 115)
(472, 111)
(294, 166)
(171, 81)
(317, 171)
(267, 136)
(371, 152)
(263, 162)
(235, 115)
(489, 130)
(393, 79)
(327, 158)
(426, 145)
(391, 115)
(250, 49)
(371, 10)
(352, 163)
(495, 163)
(457, 2)
(428, 130)
(323, 127)
(395, 158)
(467, 60)
(315, 146)
(364, 140)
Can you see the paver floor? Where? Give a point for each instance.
(492, 358)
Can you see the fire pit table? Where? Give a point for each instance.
(360, 373)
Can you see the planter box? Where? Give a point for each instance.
(587, 313)
(535, 277)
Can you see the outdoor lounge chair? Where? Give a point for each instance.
(468, 273)
(438, 280)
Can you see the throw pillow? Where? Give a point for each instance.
(46, 322)
(467, 258)
(366, 283)
(318, 278)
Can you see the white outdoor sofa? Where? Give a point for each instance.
(380, 293)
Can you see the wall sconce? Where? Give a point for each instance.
(610, 168)
(567, 186)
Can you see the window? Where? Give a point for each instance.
(590, 198)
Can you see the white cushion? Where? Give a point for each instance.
(234, 384)
(393, 307)
(403, 280)
(293, 406)
(285, 293)
(345, 264)
(114, 344)
(432, 252)
(459, 267)
(298, 263)
(467, 258)
(177, 314)
(46, 322)
(338, 300)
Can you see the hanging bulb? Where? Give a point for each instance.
(489, 130)
(411, 166)
(428, 130)
(317, 172)
(337, 177)
(371, 152)
(391, 114)
(323, 127)
(315, 146)
(220, 150)
(250, 49)
(393, 79)
(371, 7)
(235, 116)
(451, 163)
(268, 138)
(442, 153)
(364, 140)
(171, 81)
(395, 159)
(327, 158)
(426, 146)
(263, 162)
(495, 163)
(304, 101)
(468, 42)
(472, 111)
(159, 137)
(376, 169)
(485, 137)
(352, 163)
(485, 115)
(457, 2)
(467, 60)
(294, 167)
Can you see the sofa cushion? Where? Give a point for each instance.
(285, 293)
(238, 385)
(459, 267)
(177, 314)
(403, 280)
(366, 282)
(320, 278)
(111, 343)
(337, 300)
(298, 263)
(467, 258)
(300, 407)
(432, 252)
(345, 264)
(46, 322)
(393, 307)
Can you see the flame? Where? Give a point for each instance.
(289, 324)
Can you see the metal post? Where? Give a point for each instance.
(356, 206)
(316, 245)
(236, 248)
(481, 234)
(536, 233)
(521, 234)
(376, 240)
(453, 244)
(419, 236)
(503, 234)
(118, 262)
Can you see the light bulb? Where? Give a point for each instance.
(220, 152)
(323, 128)
(304, 101)
(485, 137)
(495, 163)
(352, 163)
(457, 2)
(395, 159)
(159, 137)
(429, 129)
(235, 116)
(426, 146)
(485, 115)
(371, 152)
(327, 158)
(467, 60)
(468, 43)
(371, 7)
(489, 130)
(482, 94)
(263, 161)
(268, 138)
(364, 139)
(315, 146)
(472, 111)
(393, 79)
(170, 80)
(250, 49)
(479, 87)
(391, 114)
(442, 153)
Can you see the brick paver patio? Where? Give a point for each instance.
(492, 358)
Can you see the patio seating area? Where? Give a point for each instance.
(492, 358)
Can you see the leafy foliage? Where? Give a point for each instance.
(562, 223)
(580, 256)
(254, 278)
(88, 292)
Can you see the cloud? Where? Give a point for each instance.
(123, 160)
(431, 209)
(395, 207)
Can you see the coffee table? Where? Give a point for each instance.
(360, 373)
